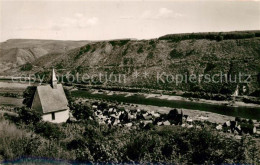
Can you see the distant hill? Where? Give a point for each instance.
(186, 54)
(16, 52)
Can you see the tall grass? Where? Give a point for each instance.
(19, 142)
(87, 141)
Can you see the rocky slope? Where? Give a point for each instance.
(16, 52)
(158, 61)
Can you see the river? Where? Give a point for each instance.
(241, 111)
(244, 112)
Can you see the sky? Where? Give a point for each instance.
(103, 20)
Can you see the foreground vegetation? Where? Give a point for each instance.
(88, 141)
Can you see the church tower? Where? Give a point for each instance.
(54, 80)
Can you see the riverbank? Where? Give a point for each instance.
(195, 115)
(8, 86)
(169, 101)
(179, 98)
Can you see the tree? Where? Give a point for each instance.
(28, 95)
(80, 111)
(29, 116)
(219, 38)
(68, 95)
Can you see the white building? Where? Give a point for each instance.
(51, 101)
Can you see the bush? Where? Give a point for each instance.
(256, 93)
(150, 55)
(102, 106)
(59, 66)
(119, 42)
(81, 112)
(219, 38)
(251, 100)
(140, 50)
(175, 54)
(149, 126)
(238, 119)
(82, 50)
(76, 144)
(247, 127)
(225, 89)
(26, 67)
(152, 43)
(28, 116)
(68, 96)
(49, 130)
(209, 67)
(7, 94)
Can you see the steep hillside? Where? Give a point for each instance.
(158, 61)
(16, 52)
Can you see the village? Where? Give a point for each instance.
(132, 117)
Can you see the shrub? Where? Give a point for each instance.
(150, 55)
(68, 96)
(153, 44)
(247, 127)
(83, 50)
(256, 93)
(238, 119)
(59, 66)
(7, 94)
(76, 144)
(81, 112)
(119, 42)
(125, 52)
(219, 38)
(175, 54)
(209, 67)
(225, 89)
(251, 100)
(28, 116)
(140, 50)
(149, 126)
(144, 148)
(26, 67)
(49, 130)
(93, 50)
(102, 106)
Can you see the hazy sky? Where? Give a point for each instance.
(92, 20)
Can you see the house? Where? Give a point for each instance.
(50, 100)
